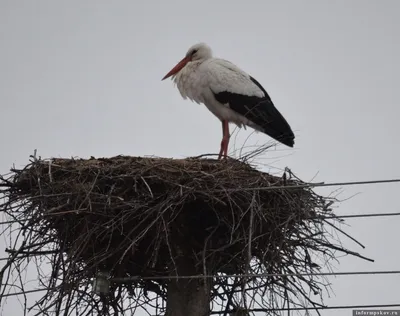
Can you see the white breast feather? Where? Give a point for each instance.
(190, 84)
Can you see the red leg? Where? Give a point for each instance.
(221, 151)
(227, 137)
(225, 140)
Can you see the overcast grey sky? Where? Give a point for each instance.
(82, 78)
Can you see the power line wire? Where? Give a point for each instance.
(360, 215)
(322, 217)
(259, 275)
(312, 185)
(313, 308)
(122, 280)
(307, 185)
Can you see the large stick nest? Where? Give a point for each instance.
(131, 217)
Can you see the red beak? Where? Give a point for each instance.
(177, 68)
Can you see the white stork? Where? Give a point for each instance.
(230, 94)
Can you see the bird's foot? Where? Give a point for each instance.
(223, 153)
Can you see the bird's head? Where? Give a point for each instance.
(198, 52)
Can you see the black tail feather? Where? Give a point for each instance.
(272, 122)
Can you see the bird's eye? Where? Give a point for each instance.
(194, 52)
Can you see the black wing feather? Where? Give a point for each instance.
(260, 111)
